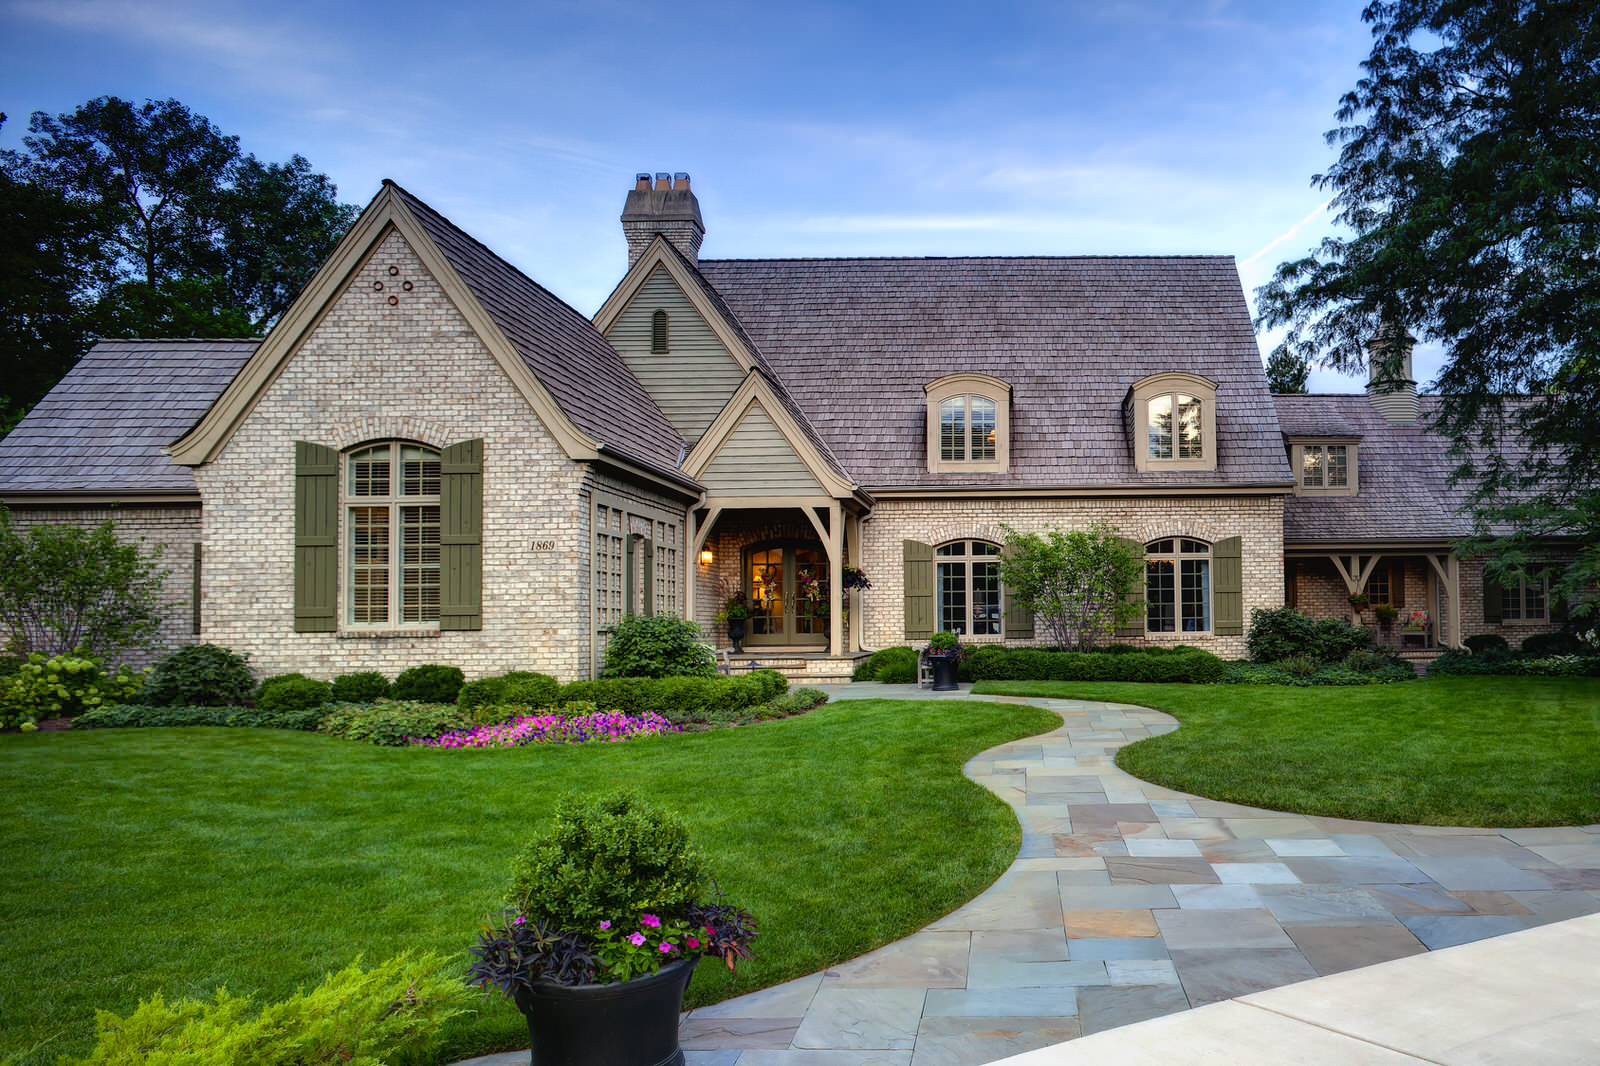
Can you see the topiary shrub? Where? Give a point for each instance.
(658, 646)
(606, 857)
(1544, 645)
(520, 687)
(1487, 644)
(202, 675)
(992, 663)
(293, 692)
(888, 666)
(391, 724)
(429, 684)
(365, 686)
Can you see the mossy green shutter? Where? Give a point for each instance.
(1134, 626)
(316, 538)
(1019, 620)
(917, 559)
(1492, 605)
(1227, 587)
(461, 536)
(647, 553)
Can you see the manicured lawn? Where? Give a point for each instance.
(1485, 751)
(179, 861)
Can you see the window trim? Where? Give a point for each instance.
(967, 558)
(1173, 384)
(969, 386)
(1352, 446)
(1523, 618)
(1178, 556)
(393, 501)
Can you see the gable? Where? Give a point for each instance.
(697, 375)
(756, 459)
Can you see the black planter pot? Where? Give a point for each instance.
(736, 628)
(634, 1023)
(944, 672)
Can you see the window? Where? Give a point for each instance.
(969, 423)
(1172, 422)
(1525, 600)
(968, 588)
(1325, 466)
(1187, 436)
(1380, 589)
(658, 333)
(392, 504)
(1177, 586)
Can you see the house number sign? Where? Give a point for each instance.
(547, 545)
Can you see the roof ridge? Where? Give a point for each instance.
(960, 258)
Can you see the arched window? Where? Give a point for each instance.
(392, 535)
(1173, 418)
(969, 424)
(968, 588)
(658, 333)
(1177, 586)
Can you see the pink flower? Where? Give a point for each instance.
(666, 948)
(520, 920)
(650, 921)
(637, 940)
(694, 944)
(605, 925)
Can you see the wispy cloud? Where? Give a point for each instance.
(1320, 211)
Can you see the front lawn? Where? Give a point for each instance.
(182, 860)
(1483, 751)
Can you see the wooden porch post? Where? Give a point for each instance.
(836, 572)
(1453, 569)
(852, 539)
(691, 564)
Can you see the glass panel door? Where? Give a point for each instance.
(788, 592)
(767, 595)
(810, 594)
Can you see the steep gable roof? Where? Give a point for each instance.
(105, 427)
(854, 341)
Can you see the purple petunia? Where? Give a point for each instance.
(610, 727)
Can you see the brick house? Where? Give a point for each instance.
(431, 458)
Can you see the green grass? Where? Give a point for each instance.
(182, 860)
(1482, 751)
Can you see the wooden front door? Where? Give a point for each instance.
(787, 588)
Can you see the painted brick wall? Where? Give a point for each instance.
(416, 371)
(1257, 520)
(173, 530)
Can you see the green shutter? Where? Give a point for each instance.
(1493, 608)
(1397, 584)
(194, 595)
(630, 575)
(1019, 620)
(648, 549)
(918, 564)
(461, 536)
(1227, 587)
(316, 538)
(1134, 627)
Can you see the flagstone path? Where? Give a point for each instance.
(1130, 901)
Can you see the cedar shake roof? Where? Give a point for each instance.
(106, 425)
(582, 372)
(1404, 491)
(855, 340)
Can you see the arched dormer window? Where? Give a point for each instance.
(658, 333)
(969, 424)
(1172, 419)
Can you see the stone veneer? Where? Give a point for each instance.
(173, 529)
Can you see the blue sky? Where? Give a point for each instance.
(810, 129)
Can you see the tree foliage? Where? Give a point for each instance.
(1287, 372)
(1075, 583)
(1468, 175)
(64, 588)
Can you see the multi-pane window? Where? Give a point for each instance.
(668, 578)
(968, 590)
(392, 507)
(1380, 590)
(1325, 466)
(1177, 587)
(1175, 428)
(968, 429)
(1525, 600)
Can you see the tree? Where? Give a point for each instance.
(1287, 372)
(1468, 175)
(1075, 584)
(63, 588)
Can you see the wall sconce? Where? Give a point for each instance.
(706, 558)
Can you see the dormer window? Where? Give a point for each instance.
(1324, 468)
(969, 424)
(1172, 419)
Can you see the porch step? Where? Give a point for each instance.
(800, 668)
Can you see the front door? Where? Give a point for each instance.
(787, 586)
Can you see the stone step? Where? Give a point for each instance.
(797, 669)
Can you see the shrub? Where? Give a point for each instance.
(293, 692)
(1280, 633)
(391, 724)
(657, 646)
(125, 716)
(60, 687)
(201, 675)
(520, 687)
(1367, 661)
(1074, 583)
(796, 702)
(1335, 639)
(679, 699)
(392, 1013)
(1543, 645)
(1299, 665)
(994, 663)
(1455, 662)
(607, 857)
(888, 666)
(1487, 644)
(365, 686)
(772, 683)
(429, 684)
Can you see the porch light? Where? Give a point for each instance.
(706, 557)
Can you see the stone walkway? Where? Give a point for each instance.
(1131, 901)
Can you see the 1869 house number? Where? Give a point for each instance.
(542, 545)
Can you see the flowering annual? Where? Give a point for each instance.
(607, 727)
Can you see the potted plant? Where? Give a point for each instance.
(735, 616)
(1385, 613)
(944, 655)
(1359, 601)
(608, 914)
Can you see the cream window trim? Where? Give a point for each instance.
(1299, 448)
(1175, 552)
(1168, 387)
(982, 605)
(368, 495)
(968, 388)
(1515, 609)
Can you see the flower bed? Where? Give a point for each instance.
(611, 727)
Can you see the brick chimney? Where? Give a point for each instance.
(666, 206)
(1391, 389)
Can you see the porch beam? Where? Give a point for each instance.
(816, 523)
(1439, 567)
(835, 542)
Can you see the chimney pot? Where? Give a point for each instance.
(641, 181)
(663, 180)
(680, 180)
(666, 207)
